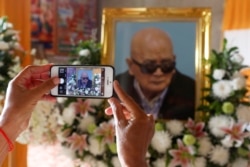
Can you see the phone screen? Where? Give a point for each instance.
(79, 81)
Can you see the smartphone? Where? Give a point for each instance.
(83, 81)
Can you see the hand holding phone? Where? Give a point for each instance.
(83, 81)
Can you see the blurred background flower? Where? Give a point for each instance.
(11, 53)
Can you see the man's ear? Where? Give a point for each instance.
(129, 63)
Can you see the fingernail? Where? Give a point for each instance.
(109, 101)
(116, 82)
(56, 81)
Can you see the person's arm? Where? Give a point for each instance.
(134, 129)
(23, 92)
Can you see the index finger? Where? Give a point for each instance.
(129, 103)
(35, 72)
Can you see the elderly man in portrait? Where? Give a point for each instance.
(84, 81)
(153, 80)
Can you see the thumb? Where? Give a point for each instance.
(46, 86)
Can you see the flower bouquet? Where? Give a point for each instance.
(87, 134)
(222, 137)
(10, 52)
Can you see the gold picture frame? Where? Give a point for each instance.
(200, 26)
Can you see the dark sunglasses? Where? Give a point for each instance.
(85, 78)
(150, 68)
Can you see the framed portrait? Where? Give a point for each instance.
(189, 29)
(75, 20)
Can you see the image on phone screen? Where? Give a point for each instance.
(82, 81)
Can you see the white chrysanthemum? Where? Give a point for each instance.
(175, 127)
(205, 146)
(243, 113)
(200, 162)
(160, 162)
(101, 164)
(116, 162)
(240, 162)
(84, 52)
(218, 74)
(238, 83)
(1, 64)
(17, 46)
(219, 155)
(90, 161)
(161, 141)
(76, 62)
(61, 99)
(11, 32)
(222, 89)
(84, 123)
(227, 141)
(237, 58)
(46, 108)
(217, 122)
(39, 115)
(95, 146)
(42, 123)
(4, 45)
(68, 152)
(63, 135)
(16, 37)
(68, 114)
(14, 70)
(16, 59)
(52, 119)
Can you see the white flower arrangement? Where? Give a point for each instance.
(43, 126)
(221, 138)
(86, 132)
(10, 52)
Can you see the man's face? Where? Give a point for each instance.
(84, 78)
(153, 82)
